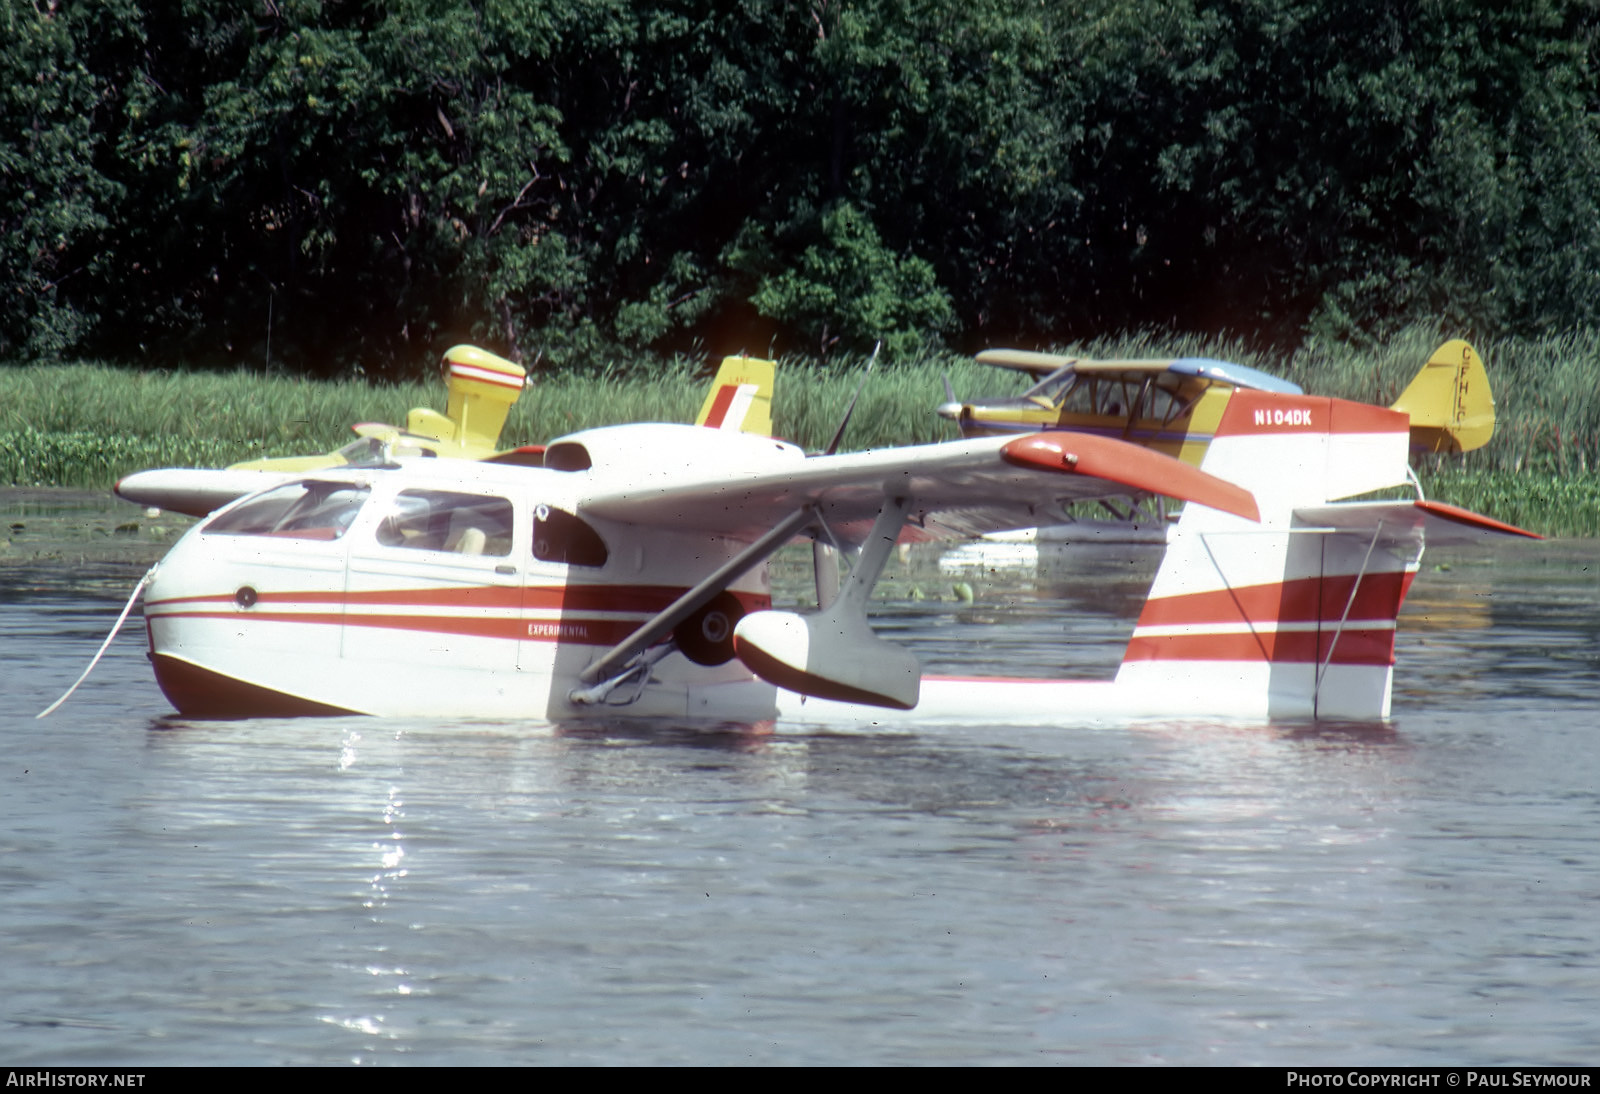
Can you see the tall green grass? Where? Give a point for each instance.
(85, 424)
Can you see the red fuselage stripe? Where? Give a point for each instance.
(638, 601)
(1356, 646)
(587, 598)
(1300, 600)
(1269, 413)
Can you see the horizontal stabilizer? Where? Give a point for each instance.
(1439, 523)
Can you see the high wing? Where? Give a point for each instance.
(1204, 368)
(195, 491)
(766, 492)
(954, 489)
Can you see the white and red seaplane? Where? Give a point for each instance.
(628, 576)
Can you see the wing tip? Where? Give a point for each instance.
(1132, 466)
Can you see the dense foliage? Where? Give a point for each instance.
(347, 185)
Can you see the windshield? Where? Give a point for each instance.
(299, 510)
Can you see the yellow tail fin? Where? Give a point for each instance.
(740, 397)
(482, 388)
(1451, 407)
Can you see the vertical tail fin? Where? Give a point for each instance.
(1449, 401)
(1285, 618)
(741, 396)
(482, 387)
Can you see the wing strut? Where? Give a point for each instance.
(616, 662)
(832, 653)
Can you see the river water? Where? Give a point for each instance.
(355, 891)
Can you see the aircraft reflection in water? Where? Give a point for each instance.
(627, 575)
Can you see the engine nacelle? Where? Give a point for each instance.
(831, 655)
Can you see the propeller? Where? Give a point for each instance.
(952, 409)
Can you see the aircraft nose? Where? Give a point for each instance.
(952, 411)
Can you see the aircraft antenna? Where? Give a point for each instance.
(838, 434)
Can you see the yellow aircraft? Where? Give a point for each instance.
(1173, 405)
(482, 389)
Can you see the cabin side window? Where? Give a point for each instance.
(448, 520)
(298, 510)
(559, 536)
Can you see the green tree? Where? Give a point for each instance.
(55, 204)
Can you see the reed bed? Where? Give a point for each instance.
(86, 424)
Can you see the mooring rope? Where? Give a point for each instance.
(126, 608)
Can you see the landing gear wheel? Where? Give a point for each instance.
(706, 637)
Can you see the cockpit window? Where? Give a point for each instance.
(374, 452)
(1160, 397)
(1054, 388)
(559, 536)
(298, 510)
(447, 520)
(364, 452)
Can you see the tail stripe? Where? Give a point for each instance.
(1367, 643)
(1298, 600)
(729, 406)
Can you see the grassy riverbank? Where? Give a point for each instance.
(83, 425)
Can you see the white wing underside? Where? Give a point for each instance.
(955, 489)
